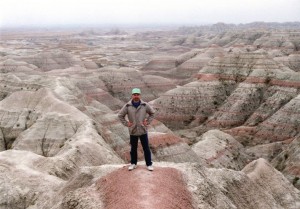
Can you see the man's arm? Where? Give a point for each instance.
(151, 113)
(121, 115)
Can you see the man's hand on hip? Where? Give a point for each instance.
(129, 124)
(145, 123)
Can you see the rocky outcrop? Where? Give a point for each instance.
(11, 83)
(242, 89)
(119, 83)
(189, 64)
(288, 162)
(23, 183)
(46, 61)
(20, 67)
(30, 123)
(88, 83)
(161, 64)
(258, 185)
(220, 150)
(191, 103)
(261, 172)
(64, 87)
(167, 182)
(292, 61)
(285, 41)
(283, 124)
(169, 147)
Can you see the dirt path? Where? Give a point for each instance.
(163, 188)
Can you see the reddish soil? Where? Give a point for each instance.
(163, 140)
(163, 188)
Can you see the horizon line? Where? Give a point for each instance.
(126, 25)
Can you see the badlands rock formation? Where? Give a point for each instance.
(164, 188)
(288, 162)
(226, 132)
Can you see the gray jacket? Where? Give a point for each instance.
(136, 116)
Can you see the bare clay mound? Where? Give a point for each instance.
(164, 188)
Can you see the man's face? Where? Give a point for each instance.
(136, 97)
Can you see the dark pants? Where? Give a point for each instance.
(134, 144)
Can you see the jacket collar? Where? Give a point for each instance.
(130, 104)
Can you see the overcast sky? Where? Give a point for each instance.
(118, 12)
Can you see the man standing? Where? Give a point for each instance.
(140, 114)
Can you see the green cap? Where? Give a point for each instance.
(136, 91)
